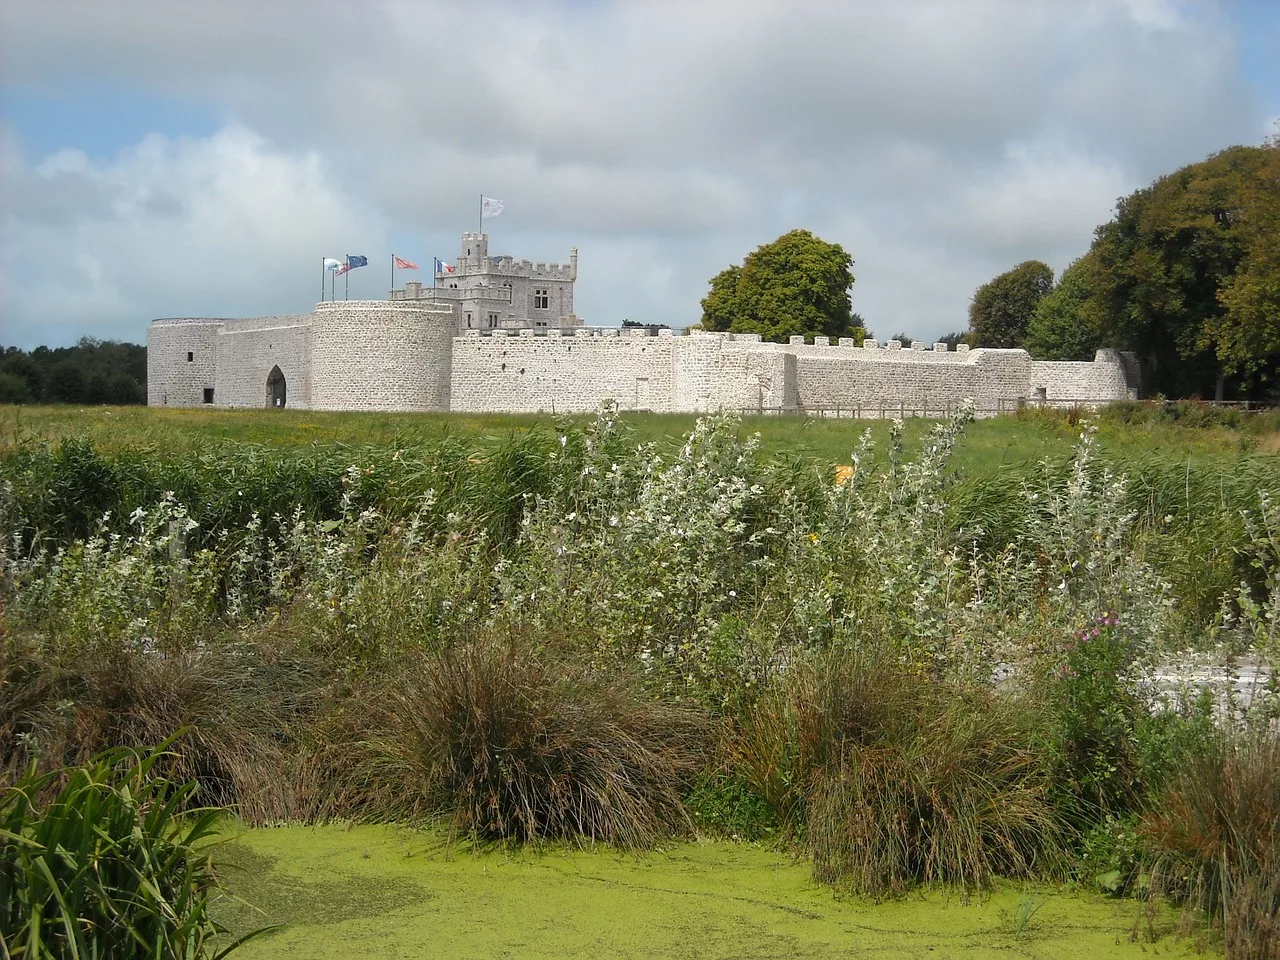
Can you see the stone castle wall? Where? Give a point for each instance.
(694, 373)
(528, 373)
(248, 350)
(404, 355)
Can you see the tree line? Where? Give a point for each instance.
(91, 372)
(1186, 275)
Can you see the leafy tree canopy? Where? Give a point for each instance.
(1002, 308)
(1189, 270)
(798, 284)
(1067, 323)
(93, 371)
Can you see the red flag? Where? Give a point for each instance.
(403, 264)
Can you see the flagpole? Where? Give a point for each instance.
(480, 222)
(322, 279)
(393, 271)
(346, 284)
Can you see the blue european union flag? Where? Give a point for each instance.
(353, 262)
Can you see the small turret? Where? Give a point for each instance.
(475, 245)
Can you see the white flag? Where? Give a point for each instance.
(490, 207)
(331, 264)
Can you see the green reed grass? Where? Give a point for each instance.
(110, 859)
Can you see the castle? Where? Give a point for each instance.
(499, 335)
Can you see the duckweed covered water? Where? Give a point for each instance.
(379, 892)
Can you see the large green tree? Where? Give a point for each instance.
(1067, 323)
(1002, 308)
(798, 284)
(1189, 272)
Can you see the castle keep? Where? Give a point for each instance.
(500, 335)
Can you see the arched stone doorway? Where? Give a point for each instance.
(275, 388)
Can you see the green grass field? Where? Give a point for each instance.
(987, 445)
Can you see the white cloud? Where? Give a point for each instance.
(940, 142)
(221, 226)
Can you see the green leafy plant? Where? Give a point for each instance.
(107, 860)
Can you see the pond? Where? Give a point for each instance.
(378, 892)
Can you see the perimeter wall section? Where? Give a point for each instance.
(528, 374)
(247, 352)
(699, 372)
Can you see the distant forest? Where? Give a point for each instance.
(93, 371)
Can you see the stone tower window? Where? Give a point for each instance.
(493, 320)
(468, 321)
(541, 301)
(208, 394)
(190, 357)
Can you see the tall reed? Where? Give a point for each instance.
(110, 859)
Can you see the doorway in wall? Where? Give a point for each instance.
(275, 388)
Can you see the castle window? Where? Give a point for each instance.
(208, 394)
(190, 357)
(541, 301)
(468, 321)
(493, 320)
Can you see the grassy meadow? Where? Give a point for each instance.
(548, 667)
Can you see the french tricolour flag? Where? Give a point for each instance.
(442, 267)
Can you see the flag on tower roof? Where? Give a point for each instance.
(402, 264)
(351, 263)
(442, 267)
(490, 207)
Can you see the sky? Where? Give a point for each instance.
(168, 158)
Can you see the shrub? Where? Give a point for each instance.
(240, 704)
(510, 745)
(892, 779)
(1218, 829)
(724, 804)
(1094, 710)
(111, 864)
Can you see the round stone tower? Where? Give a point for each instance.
(381, 355)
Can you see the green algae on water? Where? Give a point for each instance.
(380, 892)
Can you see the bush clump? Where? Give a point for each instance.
(893, 779)
(1218, 826)
(509, 745)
